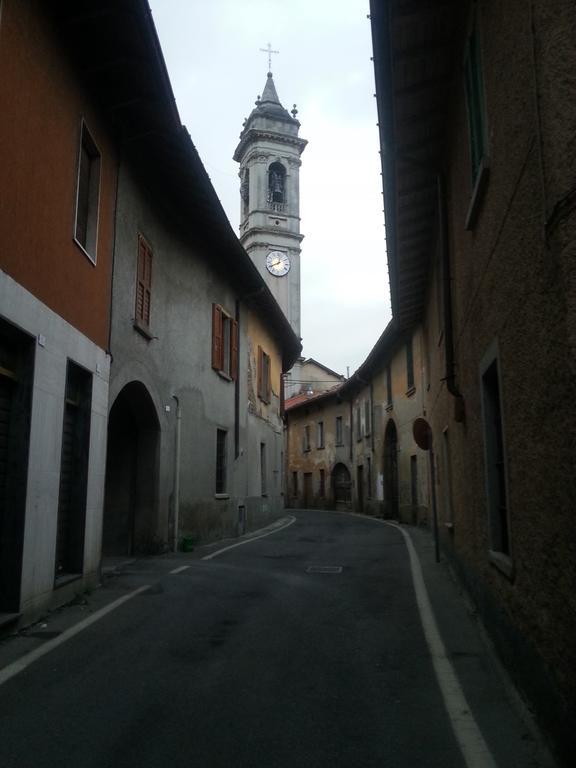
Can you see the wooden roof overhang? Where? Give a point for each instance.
(114, 48)
(413, 42)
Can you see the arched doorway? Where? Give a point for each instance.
(391, 471)
(342, 487)
(130, 504)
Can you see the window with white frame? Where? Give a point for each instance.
(87, 195)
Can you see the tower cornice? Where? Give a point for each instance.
(256, 134)
(262, 231)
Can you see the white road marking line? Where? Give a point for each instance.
(473, 746)
(248, 541)
(18, 666)
(179, 570)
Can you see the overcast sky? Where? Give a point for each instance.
(212, 53)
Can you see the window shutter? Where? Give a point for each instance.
(260, 372)
(268, 379)
(144, 282)
(234, 349)
(217, 351)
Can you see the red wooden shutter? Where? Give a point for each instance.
(144, 282)
(260, 372)
(217, 350)
(234, 349)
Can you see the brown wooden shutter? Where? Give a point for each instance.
(144, 282)
(260, 372)
(217, 349)
(268, 379)
(234, 349)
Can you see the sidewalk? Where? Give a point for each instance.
(495, 702)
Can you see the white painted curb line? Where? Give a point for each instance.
(18, 666)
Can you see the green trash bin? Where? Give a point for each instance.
(187, 544)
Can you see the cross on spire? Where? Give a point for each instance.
(269, 51)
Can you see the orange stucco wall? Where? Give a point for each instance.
(41, 107)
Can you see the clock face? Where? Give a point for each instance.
(277, 263)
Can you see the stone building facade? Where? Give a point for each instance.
(352, 447)
(477, 123)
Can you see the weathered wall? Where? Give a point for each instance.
(513, 287)
(175, 360)
(317, 458)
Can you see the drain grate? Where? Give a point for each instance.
(324, 569)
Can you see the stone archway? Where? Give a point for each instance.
(342, 487)
(130, 503)
(391, 509)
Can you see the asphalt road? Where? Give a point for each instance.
(251, 660)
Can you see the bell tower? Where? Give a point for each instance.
(269, 155)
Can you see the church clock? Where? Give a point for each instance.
(278, 263)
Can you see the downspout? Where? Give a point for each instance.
(176, 491)
(450, 363)
(237, 387)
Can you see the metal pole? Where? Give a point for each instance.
(177, 474)
(434, 509)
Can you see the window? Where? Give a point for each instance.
(495, 460)
(369, 477)
(322, 488)
(474, 87)
(264, 384)
(143, 284)
(87, 195)
(263, 470)
(306, 445)
(224, 343)
(367, 418)
(221, 435)
(358, 423)
(389, 386)
(245, 192)
(409, 365)
(320, 435)
(339, 436)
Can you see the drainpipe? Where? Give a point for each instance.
(450, 367)
(176, 492)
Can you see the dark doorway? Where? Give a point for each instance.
(360, 488)
(73, 472)
(307, 490)
(130, 505)
(391, 471)
(16, 380)
(342, 485)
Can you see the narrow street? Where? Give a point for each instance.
(259, 657)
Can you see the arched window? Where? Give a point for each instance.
(276, 184)
(245, 192)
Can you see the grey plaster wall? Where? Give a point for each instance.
(57, 342)
(176, 361)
